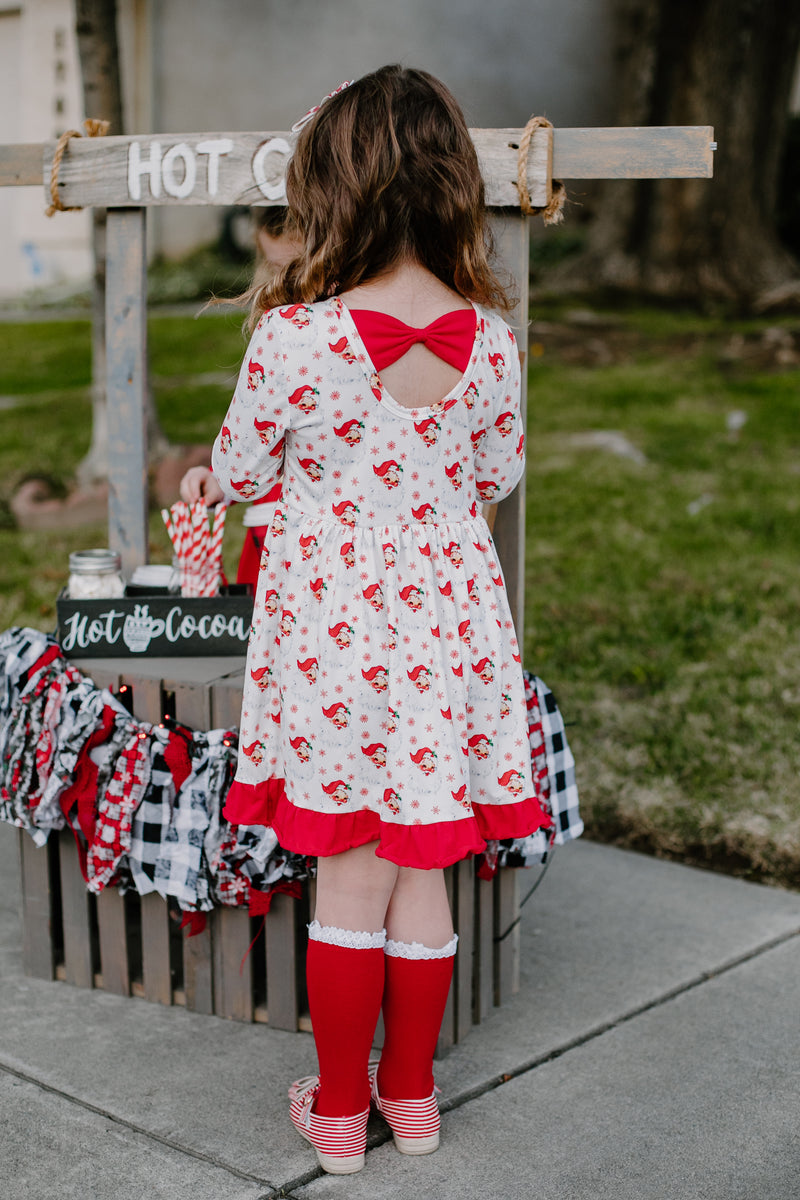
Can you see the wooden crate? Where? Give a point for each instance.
(242, 968)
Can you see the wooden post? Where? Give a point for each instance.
(156, 971)
(484, 950)
(37, 909)
(113, 929)
(507, 934)
(75, 901)
(233, 972)
(126, 383)
(465, 958)
(282, 938)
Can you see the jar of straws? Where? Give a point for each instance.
(197, 544)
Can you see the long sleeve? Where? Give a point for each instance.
(500, 444)
(247, 458)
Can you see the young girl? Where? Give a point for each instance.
(384, 721)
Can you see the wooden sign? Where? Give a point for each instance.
(167, 626)
(249, 168)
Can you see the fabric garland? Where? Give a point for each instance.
(144, 802)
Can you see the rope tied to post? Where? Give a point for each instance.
(94, 128)
(552, 212)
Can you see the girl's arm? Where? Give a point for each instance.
(247, 458)
(500, 449)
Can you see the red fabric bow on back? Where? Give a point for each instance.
(450, 337)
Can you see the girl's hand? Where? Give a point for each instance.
(199, 484)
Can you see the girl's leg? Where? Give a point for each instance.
(354, 889)
(419, 967)
(419, 910)
(345, 973)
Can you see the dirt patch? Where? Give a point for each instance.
(586, 339)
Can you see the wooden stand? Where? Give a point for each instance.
(241, 968)
(131, 945)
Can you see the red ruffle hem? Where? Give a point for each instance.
(422, 846)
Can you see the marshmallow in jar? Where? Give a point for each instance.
(95, 575)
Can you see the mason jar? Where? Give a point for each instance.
(95, 575)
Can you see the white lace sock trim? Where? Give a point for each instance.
(417, 950)
(352, 939)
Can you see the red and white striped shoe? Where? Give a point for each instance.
(340, 1142)
(414, 1123)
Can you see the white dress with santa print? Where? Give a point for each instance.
(384, 697)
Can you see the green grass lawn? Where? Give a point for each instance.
(662, 594)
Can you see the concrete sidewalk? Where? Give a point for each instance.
(651, 1052)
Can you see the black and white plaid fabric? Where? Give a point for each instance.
(560, 766)
(171, 826)
(559, 794)
(152, 818)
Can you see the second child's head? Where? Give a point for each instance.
(386, 172)
(276, 241)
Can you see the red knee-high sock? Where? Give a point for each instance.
(345, 987)
(414, 998)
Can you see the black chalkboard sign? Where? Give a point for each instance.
(167, 626)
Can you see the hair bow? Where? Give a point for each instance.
(298, 125)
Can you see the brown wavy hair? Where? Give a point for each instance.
(385, 171)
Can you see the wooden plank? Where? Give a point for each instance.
(205, 669)
(76, 916)
(198, 967)
(147, 699)
(113, 928)
(157, 978)
(192, 701)
(484, 949)
(174, 168)
(498, 156)
(126, 384)
(506, 913)
(233, 972)
(102, 678)
(464, 913)
(447, 1033)
(21, 164)
(512, 242)
(282, 963)
(637, 152)
(226, 702)
(37, 909)
(249, 167)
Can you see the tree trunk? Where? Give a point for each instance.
(98, 50)
(726, 63)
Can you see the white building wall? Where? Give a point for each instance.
(40, 97)
(260, 64)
